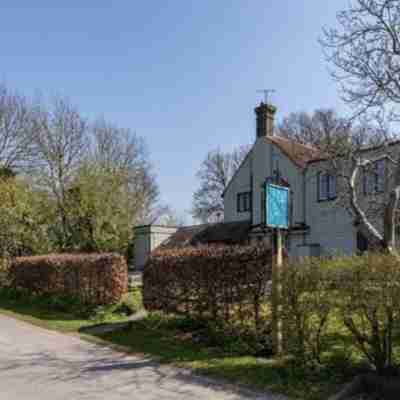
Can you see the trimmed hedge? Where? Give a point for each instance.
(226, 283)
(95, 279)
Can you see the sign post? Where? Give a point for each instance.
(277, 217)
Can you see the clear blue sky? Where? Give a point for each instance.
(182, 74)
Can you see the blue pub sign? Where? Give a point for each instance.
(277, 206)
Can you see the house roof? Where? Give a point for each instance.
(367, 148)
(223, 232)
(300, 154)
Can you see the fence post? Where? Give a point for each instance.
(276, 296)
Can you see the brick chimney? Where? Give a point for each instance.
(265, 116)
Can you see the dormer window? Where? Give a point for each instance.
(243, 202)
(326, 186)
(374, 178)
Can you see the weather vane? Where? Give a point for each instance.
(267, 93)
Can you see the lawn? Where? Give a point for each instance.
(170, 340)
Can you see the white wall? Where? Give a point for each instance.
(264, 158)
(159, 234)
(142, 246)
(147, 239)
(240, 183)
(331, 224)
(261, 170)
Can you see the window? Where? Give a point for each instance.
(331, 187)
(374, 178)
(244, 202)
(326, 186)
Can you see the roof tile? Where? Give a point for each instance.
(299, 153)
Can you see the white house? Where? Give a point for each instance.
(319, 225)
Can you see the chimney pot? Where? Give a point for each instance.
(265, 118)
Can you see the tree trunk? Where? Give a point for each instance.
(387, 241)
(390, 221)
(390, 215)
(365, 226)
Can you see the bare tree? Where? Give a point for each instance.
(115, 147)
(320, 129)
(16, 126)
(170, 217)
(364, 51)
(61, 141)
(121, 150)
(215, 173)
(81, 171)
(367, 181)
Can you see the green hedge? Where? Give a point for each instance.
(353, 299)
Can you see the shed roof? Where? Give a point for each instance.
(222, 232)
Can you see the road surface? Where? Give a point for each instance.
(39, 364)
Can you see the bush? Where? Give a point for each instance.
(64, 304)
(101, 211)
(370, 307)
(25, 216)
(358, 296)
(224, 283)
(129, 304)
(94, 279)
(332, 309)
(306, 307)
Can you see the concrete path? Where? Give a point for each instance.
(135, 278)
(45, 365)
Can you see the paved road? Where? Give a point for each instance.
(44, 365)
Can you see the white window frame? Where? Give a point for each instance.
(243, 202)
(327, 186)
(374, 179)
